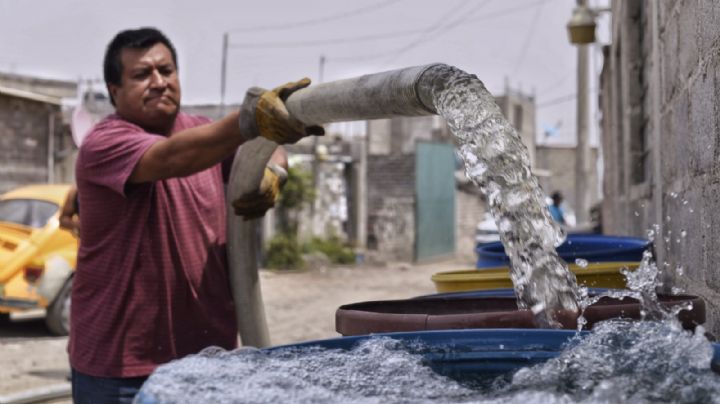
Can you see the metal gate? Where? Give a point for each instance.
(434, 200)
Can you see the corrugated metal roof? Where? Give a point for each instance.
(30, 95)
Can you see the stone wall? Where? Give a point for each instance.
(661, 137)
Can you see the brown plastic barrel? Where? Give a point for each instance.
(488, 312)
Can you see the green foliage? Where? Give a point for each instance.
(298, 189)
(283, 252)
(333, 248)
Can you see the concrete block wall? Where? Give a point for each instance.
(560, 162)
(685, 198)
(469, 208)
(24, 141)
(690, 55)
(391, 188)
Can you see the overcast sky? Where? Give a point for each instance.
(272, 42)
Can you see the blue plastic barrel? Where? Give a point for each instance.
(591, 247)
(466, 354)
(460, 354)
(473, 352)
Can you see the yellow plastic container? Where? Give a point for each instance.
(598, 275)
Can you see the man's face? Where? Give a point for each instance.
(149, 90)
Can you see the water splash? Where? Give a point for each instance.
(497, 161)
(618, 362)
(638, 362)
(379, 370)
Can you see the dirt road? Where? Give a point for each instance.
(300, 306)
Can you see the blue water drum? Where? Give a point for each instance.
(460, 354)
(590, 247)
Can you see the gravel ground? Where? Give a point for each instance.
(300, 306)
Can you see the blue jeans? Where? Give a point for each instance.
(92, 389)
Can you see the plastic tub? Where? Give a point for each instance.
(598, 275)
(591, 247)
(488, 312)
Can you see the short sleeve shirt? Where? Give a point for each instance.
(151, 283)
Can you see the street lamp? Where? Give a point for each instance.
(581, 27)
(581, 30)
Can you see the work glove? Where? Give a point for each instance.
(263, 113)
(254, 205)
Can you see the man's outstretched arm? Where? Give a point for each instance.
(196, 149)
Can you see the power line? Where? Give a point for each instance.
(462, 21)
(327, 18)
(508, 10)
(438, 26)
(557, 83)
(286, 44)
(528, 38)
(558, 100)
(384, 36)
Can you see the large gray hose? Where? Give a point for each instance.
(245, 177)
(403, 92)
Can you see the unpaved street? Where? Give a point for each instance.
(300, 306)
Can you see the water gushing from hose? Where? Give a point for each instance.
(498, 162)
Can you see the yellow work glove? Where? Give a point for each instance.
(253, 206)
(263, 113)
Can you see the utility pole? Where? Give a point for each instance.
(582, 155)
(223, 73)
(321, 69)
(316, 159)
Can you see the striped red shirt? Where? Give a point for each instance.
(151, 283)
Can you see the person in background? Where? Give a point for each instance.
(556, 210)
(151, 283)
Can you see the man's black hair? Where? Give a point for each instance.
(141, 38)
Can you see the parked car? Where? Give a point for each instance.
(37, 257)
(486, 231)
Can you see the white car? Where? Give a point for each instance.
(486, 231)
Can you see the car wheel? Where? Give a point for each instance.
(57, 318)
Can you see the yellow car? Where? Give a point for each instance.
(37, 257)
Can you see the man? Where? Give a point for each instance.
(556, 211)
(152, 283)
